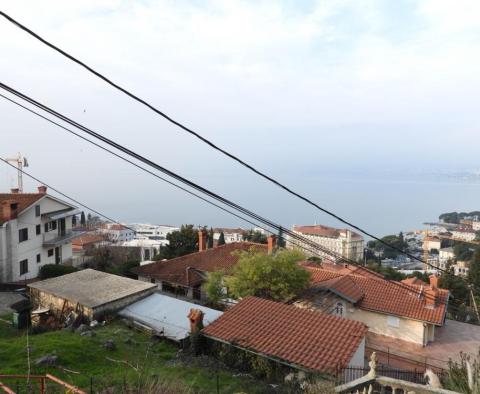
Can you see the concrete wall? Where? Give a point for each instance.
(378, 323)
(358, 359)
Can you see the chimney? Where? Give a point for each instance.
(15, 190)
(196, 320)
(42, 189)
(202, 240)
(433, 281)
(9, 209)
(272, 243)
(431, 295)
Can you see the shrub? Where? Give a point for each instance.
(53, 270)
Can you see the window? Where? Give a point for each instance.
(50, 253)
(38, 229)
(339, 308)
(39, 258)
(23, 235)
(23, 267)
(393, 321)
(50, 226)
(37, 210)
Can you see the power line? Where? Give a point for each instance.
(205, 140)
(269, 223)
(66, 196)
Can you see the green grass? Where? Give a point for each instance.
(87, 356)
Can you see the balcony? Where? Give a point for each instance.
(54, 239)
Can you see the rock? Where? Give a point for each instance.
(82, 328)
(110, 345)
(88, 333)
(49, 359)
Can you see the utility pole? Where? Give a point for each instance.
(19, 162)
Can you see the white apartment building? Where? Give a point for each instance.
(117, 232)
(475, 226)
(230, 234)
(35, 229)
(148, 247)
(463, 234)
(343, 242)
(152, 231)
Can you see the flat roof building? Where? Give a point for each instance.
(89, 292)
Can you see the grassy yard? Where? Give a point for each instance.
(81, 358)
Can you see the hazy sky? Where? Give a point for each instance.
(322, 95)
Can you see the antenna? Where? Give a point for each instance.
(19, 162)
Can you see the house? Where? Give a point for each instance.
(35, 229)
(475, 225)
(185, 275)
(303, 339)
(461, 268)
(152, 231)
(432, 243)
(464, 234)
(344, 242)
(230, 234)
(147, 247)
(404, 311)
(88, 292)
(86, 242)
(116, 232)
(166, 316)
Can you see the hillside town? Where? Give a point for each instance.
(239, 197)
(331, 305)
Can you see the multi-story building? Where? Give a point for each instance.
(117, 232)
(475, 225)
(343, 242)
(464, 234)
(230, 234)
(35, 229)
(152, 231)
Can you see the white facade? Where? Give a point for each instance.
(117, 232)
(342, 242)
(39, 234)
(464, 235)
(230, 234)
(152, 231)
(148, 247)
(475, 226)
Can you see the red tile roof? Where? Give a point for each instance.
(344, 269)
(414, 281)
(24, 200)
(310, 339)
(384, 296)
(87, 239)
(210, 260)
(325, 231)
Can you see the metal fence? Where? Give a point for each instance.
(350, 374)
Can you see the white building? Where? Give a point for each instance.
(475, 226)
(444, 256)
(117, 232)
(230, 234)
(35, 229)
(148, 247)
(343, 242)
(463, 234)
(152, 231)
(461, 268)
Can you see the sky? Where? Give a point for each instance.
(352, 103)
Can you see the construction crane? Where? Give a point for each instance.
(426, 253)
(19, 162)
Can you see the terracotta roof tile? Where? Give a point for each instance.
(24, 200)
(384, 296)
(175, 270)
(310, 339)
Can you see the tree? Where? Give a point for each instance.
(181, 242)
(397, 241)
(74, 220)
(276, 276)
(462, 251)
(214, 286)
(456, 285)
(254, 236)
(474, 271)
(281, 240)
(82, 219)
(210, 239)
(221, 239)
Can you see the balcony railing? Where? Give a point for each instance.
(372, 383)
(52, 238)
